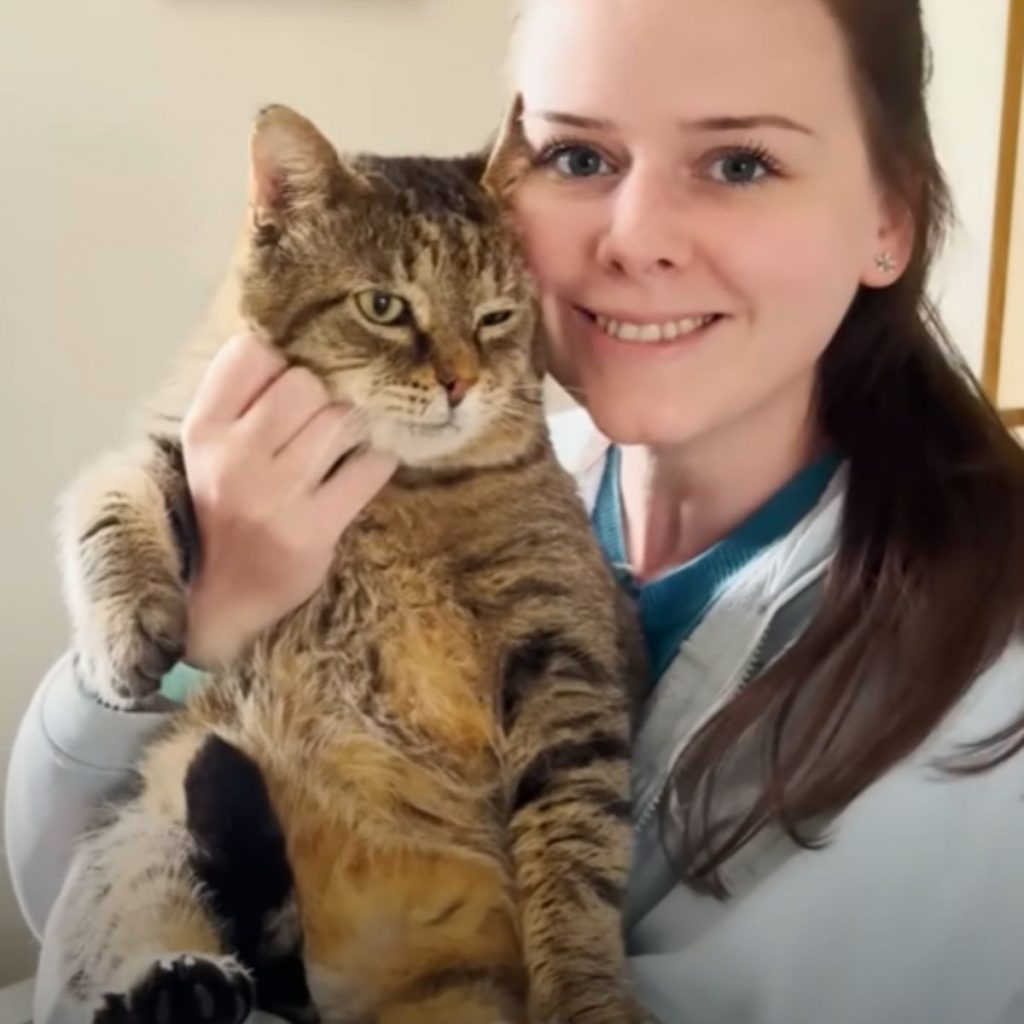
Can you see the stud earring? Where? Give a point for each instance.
(885, 262)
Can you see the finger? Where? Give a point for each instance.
(311, 453)
(342, 497)
(281, 412)
(238, 374)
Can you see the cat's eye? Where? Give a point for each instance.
(496, 317)
(381, 307)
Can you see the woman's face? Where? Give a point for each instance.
(701, 210)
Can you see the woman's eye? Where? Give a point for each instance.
(577, 161)
(740, 167)
(381, 307)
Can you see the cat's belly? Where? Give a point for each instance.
(400, 867)
(377, 928)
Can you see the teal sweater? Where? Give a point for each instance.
(672, 605)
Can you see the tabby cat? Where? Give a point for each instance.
(407, 802)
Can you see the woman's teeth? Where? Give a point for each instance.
(669, 331)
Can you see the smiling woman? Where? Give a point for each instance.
(730, 208)
(671, 190)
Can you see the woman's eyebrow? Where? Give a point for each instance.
(572, 120)
(719, 123)
(727, 123)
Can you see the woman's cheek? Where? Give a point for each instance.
(560, 362)
(553, 235)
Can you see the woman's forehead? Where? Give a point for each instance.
(681, 59)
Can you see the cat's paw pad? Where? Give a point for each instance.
(185, 989)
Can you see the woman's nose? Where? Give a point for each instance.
(646, 230)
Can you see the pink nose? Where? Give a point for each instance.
(456, 387)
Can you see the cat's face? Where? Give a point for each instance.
(396, 281)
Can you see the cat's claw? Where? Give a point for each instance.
(185, 989)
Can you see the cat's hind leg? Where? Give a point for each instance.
(137, 938)
(242, 863)
(193, 869)
(204, 990)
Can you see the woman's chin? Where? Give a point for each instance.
(629, 419)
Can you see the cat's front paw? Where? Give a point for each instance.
(126, 641)
(187, 988)
(124, 574)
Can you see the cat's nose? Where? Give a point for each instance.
(455, 386)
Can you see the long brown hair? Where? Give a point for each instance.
(927, 586)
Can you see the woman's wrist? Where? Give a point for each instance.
(212, 638)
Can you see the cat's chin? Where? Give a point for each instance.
(417, 445)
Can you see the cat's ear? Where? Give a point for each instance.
(293, 168)
(509, 158)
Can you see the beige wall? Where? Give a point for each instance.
(123, 129)
(1011, 370)
(969, 43)
(122, 141)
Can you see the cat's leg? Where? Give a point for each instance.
(241, 861)
(139, 944)
(192, 869)
(568, 731)
(125, 536)
(204, 990)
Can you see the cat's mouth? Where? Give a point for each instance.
(416, 442)
(419, 432)
(432, 429)
(425, 427)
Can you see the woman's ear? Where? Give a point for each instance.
(893, 244)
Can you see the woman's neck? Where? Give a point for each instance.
(680, 500)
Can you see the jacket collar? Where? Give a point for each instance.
(583, 450)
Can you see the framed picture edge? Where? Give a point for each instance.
(1006, 180)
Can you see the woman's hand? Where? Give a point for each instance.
(258, 441)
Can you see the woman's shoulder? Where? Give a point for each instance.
(69, 753)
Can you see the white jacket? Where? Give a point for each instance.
(914, 914)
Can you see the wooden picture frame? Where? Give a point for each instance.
(1004, 332)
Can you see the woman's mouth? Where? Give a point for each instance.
(651, 332)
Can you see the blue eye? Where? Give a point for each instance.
(741, 167)
(575, 160)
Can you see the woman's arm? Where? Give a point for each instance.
(69, 754)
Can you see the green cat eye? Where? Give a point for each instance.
(381, 307)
